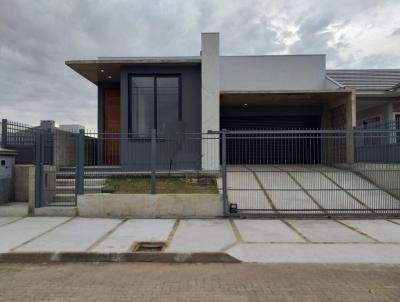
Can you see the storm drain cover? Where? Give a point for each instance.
(149, 246)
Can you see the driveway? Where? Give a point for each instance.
(299, 189)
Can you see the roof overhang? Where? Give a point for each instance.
(282, 98)
(108, 69)
(378, 93)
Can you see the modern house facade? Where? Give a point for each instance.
(211, 92)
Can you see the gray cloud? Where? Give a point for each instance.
(36, 37)
(396, 32)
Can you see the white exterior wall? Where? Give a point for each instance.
(210, 73)
(274, 73)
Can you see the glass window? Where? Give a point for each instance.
(142, 106)
(167, 104)
(154, 103)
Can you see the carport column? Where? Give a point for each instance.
(350, 124)
(210, 99)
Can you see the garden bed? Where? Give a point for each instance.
(164, 185)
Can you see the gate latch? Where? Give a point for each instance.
(233, 208)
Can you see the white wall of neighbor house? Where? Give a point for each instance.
(210, 89)
(260, 73)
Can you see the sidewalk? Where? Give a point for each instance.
(247, 240)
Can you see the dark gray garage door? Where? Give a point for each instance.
(253, 148)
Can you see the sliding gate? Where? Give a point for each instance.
(312, 172)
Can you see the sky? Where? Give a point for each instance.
(37, 36)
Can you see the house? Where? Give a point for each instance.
(377, 91)
(211, 92)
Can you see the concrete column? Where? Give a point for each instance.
(351, 104)
(389, 111)
(351, 121)
(210, 99)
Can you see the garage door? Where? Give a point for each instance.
(256, 148)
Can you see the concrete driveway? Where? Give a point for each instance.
(303, 189)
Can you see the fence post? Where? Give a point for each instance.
(224, 174)
(153, 161)
(38, 169)
(4, 133)
(80, 161)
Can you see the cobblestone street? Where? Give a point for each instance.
(199, 282)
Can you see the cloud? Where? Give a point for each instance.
(36, 37)
(396, 32)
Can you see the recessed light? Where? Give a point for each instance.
(101, 70)
(245, 104)
(109, 77)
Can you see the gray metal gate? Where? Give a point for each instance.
(312, 172)
(55, 181)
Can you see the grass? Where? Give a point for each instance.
(138, 185)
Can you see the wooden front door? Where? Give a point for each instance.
(111, 125)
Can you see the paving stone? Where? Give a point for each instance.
(211, 282)
(252, 230)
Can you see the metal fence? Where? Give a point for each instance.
(312, 173)
(272, 173)
(21, 138)
(129, 163)
(378, 142)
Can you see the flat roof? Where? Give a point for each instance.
(107, 69)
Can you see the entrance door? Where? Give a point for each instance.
(111, 125)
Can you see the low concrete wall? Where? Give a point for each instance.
(24, 183)
(150, 206)
(56, 211)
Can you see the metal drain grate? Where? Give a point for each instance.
(149, 246)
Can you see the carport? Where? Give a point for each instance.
(280, 110)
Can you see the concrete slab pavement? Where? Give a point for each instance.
(253, 240)
(382, 230)
(75, 236)
(135, 230)
(206, 235)
(316, 253)
(327, 231)
(257, 230)
(7, 220)
(19, 232)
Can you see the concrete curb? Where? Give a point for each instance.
(65, 257)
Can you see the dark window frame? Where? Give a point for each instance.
(154, 76)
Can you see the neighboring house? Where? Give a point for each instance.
(71, 127)
(378, 93)
(212, 92)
